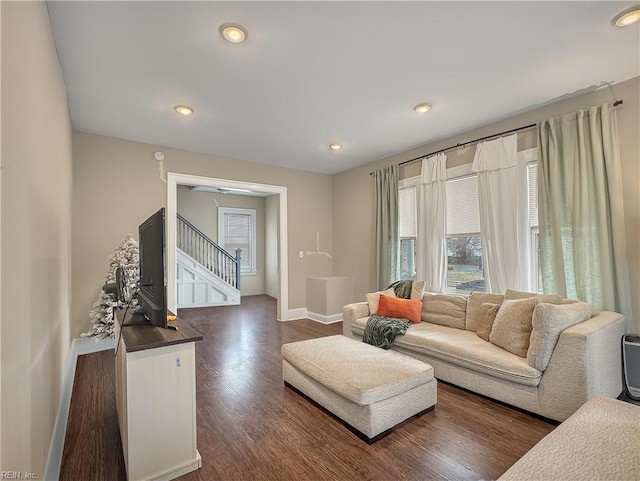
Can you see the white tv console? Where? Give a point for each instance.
(156, 398)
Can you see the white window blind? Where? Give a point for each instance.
(532, 179)
(407, 212)
(237, 230)
(463, 213)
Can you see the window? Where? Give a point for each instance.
(465, 271)
(536, 270)
(463, 230)
(237, 229)
(464, 245)
(407, 230)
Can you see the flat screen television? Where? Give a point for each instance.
(152, 295)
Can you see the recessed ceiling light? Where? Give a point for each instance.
(628, 17)
(335, 146)
(233, 33)
(183, 109)
(422, 108)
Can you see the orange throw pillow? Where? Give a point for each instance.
(401, 308)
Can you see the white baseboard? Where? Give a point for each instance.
(79, 347)
(303, 313)
(324, 319)
(299, 313)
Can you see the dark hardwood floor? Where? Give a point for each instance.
(92, 448)
(250, 427)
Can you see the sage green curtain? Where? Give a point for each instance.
(581, 220)
(387, 241)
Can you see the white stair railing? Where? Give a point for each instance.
(209, 254)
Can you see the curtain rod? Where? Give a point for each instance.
(616, 103)
(464, 144)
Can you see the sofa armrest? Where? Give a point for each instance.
(586, 362)
(351, 312)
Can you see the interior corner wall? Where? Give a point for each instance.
(353, 190)
(201, 209)
(117, 185)
(35, 236)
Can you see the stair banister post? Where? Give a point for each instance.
(238, 257)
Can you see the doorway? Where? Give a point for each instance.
(174, 180)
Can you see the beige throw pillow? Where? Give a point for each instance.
(417, 289)
(548, 323)
(550, 298)
(486, 317)
(373, 299)
(569, 301)
(474, 301)
(444, 309)
(512, 328)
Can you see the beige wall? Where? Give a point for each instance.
(353, 200)
(35, 237)
(201, 209)
(117, 184)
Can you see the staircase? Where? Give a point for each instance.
(207, 274)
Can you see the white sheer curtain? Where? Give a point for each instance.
(432, 223)
(580, 209)
(502, 192)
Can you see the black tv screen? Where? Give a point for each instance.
(152, 295)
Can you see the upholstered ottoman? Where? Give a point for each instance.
(369, 388)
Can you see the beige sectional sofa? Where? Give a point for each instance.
(599, 442)
(570, 365)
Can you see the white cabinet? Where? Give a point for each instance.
(156, 400)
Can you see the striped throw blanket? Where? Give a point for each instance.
(402, 288)
(381, 331)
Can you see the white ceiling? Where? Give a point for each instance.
(312, 73)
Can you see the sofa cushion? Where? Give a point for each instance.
(417, 289)
(512, 328)
(444, 309)
(485, 319)
(474, 301)
(462, 348)
(400, 308)
(548, 322)
(373, 299)
(511, 295)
